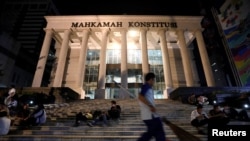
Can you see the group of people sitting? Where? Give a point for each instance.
(102, 117)
(197, 99)
(218, 116)
(18, 113)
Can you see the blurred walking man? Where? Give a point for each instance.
(148, 111)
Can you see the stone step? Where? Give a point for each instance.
(121, 122)
(98, 128)
(80, 138)
(90, 132)
(61, 118)
(74, 138)
(112, 123)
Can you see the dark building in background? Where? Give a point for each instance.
(21, 38)
(224, 76)
(227, 25)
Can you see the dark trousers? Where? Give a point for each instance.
(31, 121)
(80, 117)
(154, 129)
(114, 114)
(218, 121)
(199, 123)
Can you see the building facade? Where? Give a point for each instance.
(108, 56)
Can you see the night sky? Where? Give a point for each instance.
(135, 7)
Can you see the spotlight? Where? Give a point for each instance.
(214, 102)
(246, 106)
(31, 102)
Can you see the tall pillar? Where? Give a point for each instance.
(144, 50)
(62, 59)
(185, 59)
(42, 59)
(204, 59)
(166, 64)
(100, 93)
(124, 69)
(81, 63)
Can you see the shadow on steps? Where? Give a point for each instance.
(182, 134)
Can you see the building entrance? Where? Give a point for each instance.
(114, 88)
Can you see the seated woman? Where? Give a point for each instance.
(12, 103)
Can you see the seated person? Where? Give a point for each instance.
(218, 117)
(4, 120)
(99, 117)
(236, 114)
(38, 117)
(198, 99)
(12, 103)
(23, 115)
(199, 119)
(83, 117)
(4, 109)
(115, 111)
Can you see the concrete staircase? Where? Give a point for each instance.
(61, 117)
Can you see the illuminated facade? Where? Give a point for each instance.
(107, 56)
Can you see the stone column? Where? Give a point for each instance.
(100, 93)
(185, 55)
(204, 59)
(144, 50)
(62, 59)
(166, 64)
(42, 59)
(124, 69)
(81, 63)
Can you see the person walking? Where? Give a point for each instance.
(148, 111)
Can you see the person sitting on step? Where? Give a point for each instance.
(218, 117)
(83, 117)
(23, 115)
(199, 119)
(198, 99)
(38, 117)
(115, 111)
(235, 113)
(4, 120)
(99, 117)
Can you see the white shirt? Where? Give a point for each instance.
(146, 113)
(4, 125)
(195, 114)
